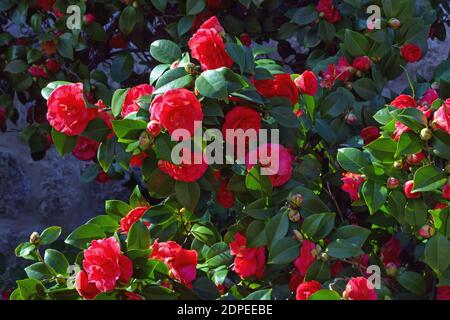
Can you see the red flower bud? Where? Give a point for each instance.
(351, 119)
(392, 183)
(89, 19)
(415, 159)
(362, 63)
(407, 190)
(153, 128)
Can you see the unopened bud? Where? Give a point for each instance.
(359, 73)
(174, 64)
(351, 119)
(35, 238)
(61, 280)
(298, 235)
(297, 200)
(294, 215)
(349, 85)
(394, 23)
(324, 256)
(427, 231)
(392, 183)
(145, 140)
(189, 68)
(398, 164)
(426, 134)
(153, 128)
(182, 211)
(391, 270)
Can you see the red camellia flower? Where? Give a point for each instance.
(249, 261)
(307, 83)
(411, 53)
(182, 263)
(131, 218)
(104, 265)
(441, 118)
(85, 149)
(240, 117)
(400, 129)
(404, 101)
(118, 41)
(343, 70)
(407, 190)
(176, 109)
(429, 97)
(369, 134)
(362, 63)
(446, 192)
(443, 293)
(352, 182)
(187, 172)
(137, 159)
(67, 111)
(208, 48)
(277, 165)
(213, 23)
(52, 65)
(306, 289)
(295, 280)
(280, 86)
(390, 252)
(133, 95)
(415, 159)
(306, 258)
(330, 13)
(245, 39)
(359, 288)
(89, 18)
(38, 72)
(102, 177)
(224, 196)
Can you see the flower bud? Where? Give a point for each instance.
(426, 134)
(427, 231)
(351, 119)
(324, 256)
(183, 211)
(294, 215)
(189, 68)
(391, 270)
(398, 164)
(153, 128)
(321, 14)
(349, 85)
(145, 140)
(392, 183)
(89, 19)
(61, 280)
(394, 23)
(298, 235)
(35, 238)
(175, 64)
(297, 200)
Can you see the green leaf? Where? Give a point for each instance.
(277, 227)
(127, 20)
(31, 289)
(351, 159)
(159, 214)
(16, 66)
(365, 88)
(205, 232)
(437, 253)
(341, 249)
(255, 181)
(173, 79)
(383, 149)
(353, 234)
(265, 294)
(165, 51)
(410, 117)
(409, 143)
(64, 144)
(26, 250)
(96, 130)
(187, 194)
(57, 261)
(413, 282)
(429, 178)
(118, 99)
(160, 5)
(160, 184)
(256, 235)
(157, 72)
(185, 24)
(47, 91)
(39, 271)
(305, 15)
(218, 255)
(218, 83)
(441, 144)
(50, 235)
(285, 117)
(318, 226)
(122, 67)
(138, 237)
(83, 235)
(375, 195)
(65, 46)
(325, 294)
(194, 6)
(128, 128)
(356, 43)
(319, 271)
(284, 251)
(116, 209)
(105, 154)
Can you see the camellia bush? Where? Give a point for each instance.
(347, 200)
